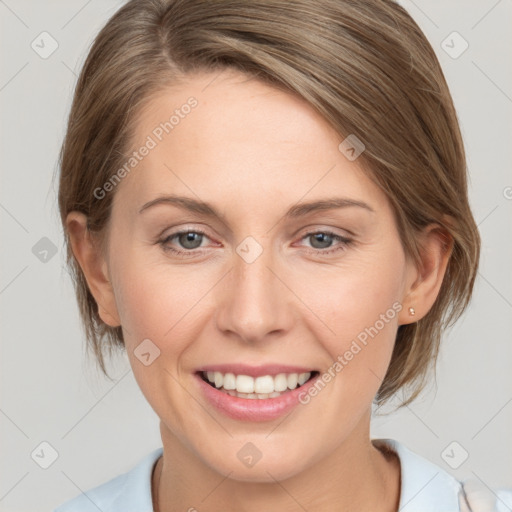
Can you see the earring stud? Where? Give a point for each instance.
(412, 312)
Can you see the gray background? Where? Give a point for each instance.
(50, 392)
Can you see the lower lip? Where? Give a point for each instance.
(246, 409)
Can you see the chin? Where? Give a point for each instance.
(267, 465)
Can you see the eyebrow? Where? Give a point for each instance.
(296, 211)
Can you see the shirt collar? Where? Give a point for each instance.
(425, 487)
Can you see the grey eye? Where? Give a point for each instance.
(324, 240)
(190, 240)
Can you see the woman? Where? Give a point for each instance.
(265, 204)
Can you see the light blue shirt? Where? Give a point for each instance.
(425, 487)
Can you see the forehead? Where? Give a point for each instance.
(233, 106)
(217, 133)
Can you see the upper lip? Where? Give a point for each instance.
(254, 371)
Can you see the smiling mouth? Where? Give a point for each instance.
(263, 387)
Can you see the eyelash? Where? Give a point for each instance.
(345, 242)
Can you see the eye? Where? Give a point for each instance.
(321, 240)
(190, 240)
(187, 239)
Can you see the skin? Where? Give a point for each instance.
(253, 151)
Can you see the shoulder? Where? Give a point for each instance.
(131, 490)
(426, 487)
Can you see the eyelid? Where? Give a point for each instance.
(309, 230)
(184, 228)
(316, 226)
(322, 228)
(319, 227)
(181, 231)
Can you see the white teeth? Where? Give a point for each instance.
(252, 396)
(293, 379)
(280, 382)
(219, 379)
(265, 386)
(229, 381)
(303, 377)
(244, 384)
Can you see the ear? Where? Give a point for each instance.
(88, 253)
(425, 280)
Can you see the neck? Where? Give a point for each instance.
(357, 477)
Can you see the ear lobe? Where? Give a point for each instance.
(436, 247)
(89, 256)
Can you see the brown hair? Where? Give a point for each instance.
(365, 66)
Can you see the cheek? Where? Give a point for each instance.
(164, 303)
(356, 308)
(156, 303)
(147, 304)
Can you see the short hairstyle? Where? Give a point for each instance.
(365, 66)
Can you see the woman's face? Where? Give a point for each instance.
(267, 282)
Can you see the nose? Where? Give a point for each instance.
(255, 305)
